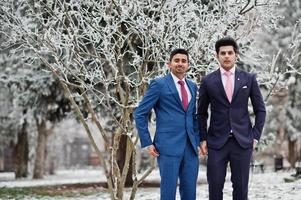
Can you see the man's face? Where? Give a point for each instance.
(179, 65)
(226, 57)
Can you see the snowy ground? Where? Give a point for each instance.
(267, 186)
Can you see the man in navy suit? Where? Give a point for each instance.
(176, 140)
(231, 136)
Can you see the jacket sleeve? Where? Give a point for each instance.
(143, 110)
(258, 108)
(202, 110)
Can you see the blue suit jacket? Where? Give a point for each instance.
(225, 115)
(173, 124)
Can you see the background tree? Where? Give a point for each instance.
(39, 100)
(13, 128)
(13, 125)
(284, 41)
(104, 53)
(36, 100)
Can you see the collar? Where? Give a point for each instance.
(232, 70)
(176, 79)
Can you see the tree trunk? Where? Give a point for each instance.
(292, 152)
(21, 153)
(279, 141)
(41, 151)
(121, 160)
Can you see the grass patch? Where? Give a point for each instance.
(15, 193)
(50, 191)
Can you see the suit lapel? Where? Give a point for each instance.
(190, 86)
(172, 87)
(220, 85)
(237, 82)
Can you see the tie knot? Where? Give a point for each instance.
(181, 82)
(228, 73)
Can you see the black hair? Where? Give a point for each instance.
(226, 41)
(178, 51)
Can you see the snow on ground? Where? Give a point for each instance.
(61, 177)
(263, 186)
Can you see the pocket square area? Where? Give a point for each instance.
(245, 86)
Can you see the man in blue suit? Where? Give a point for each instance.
(231, 135)
(176, 140)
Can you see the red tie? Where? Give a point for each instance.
(184, 95)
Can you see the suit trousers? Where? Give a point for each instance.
(185, 168)
(239, 159)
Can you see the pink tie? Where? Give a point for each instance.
(184, 95)
(228, 86)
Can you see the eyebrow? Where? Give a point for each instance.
(230, 51)
(181, 59)
(226, 51)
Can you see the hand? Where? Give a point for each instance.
(152, 151)
(203, 150)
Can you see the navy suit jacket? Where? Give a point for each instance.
(173, 123)
(226, 116)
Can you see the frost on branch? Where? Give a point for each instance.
(105, 52)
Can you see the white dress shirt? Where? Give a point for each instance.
(178, 86)
(224, 77)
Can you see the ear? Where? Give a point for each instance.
(168, 64)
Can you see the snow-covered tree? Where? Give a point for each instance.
(284, 41)
(104, 53)
(36, 99)
(13, 120)
(7, 124)
(10, 123)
